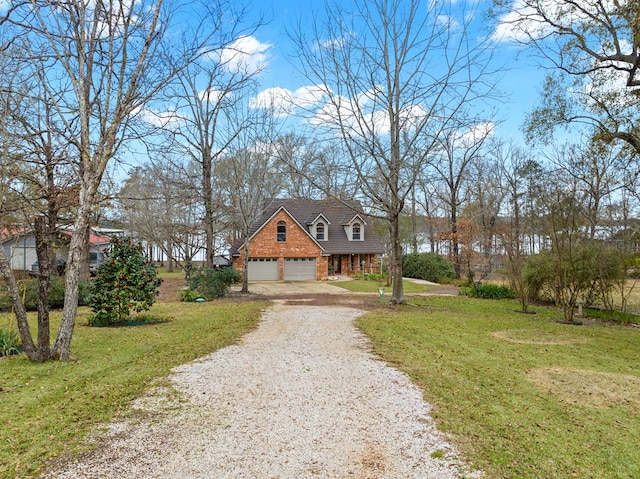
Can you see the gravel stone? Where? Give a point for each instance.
(299, 397)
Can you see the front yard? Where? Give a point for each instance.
(46, 409)
(523, 396)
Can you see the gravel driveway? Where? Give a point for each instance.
(300, 397)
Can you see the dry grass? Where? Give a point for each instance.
(597, 389)
(538, 337)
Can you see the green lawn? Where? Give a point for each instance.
(523, 396)
(362, 286)
(45, 409)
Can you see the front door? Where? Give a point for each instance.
(336, 264)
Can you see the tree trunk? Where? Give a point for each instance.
(85, 258)
(455, 248)
(245, 263)
(79, 239)
(45, 261)
(18, 308)
(414, 222)
(207, 194)
(397, 296)
(170, 256)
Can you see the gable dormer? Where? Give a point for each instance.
(319, 228)
(354, 228)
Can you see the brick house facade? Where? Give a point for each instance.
(309, 240)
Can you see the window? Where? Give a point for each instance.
(355, 231)
(320, 231)
(281, 235)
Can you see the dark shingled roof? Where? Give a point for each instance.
(337, 214)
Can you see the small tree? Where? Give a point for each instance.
(125, 282)
(211, 283)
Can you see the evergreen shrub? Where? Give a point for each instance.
(427, 266)
(213, 283)
(127, 281)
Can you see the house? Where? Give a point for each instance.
(20, 248)
(301, 239)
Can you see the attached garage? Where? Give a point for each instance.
(263, 269)
(300, 269)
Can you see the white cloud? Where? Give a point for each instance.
(609, 86)
(477, 134)
(520, 24)
(284, 102)
(448, 21)
(310, 95)
(332, 43)
(524, 22)
(247, 55)
(362, 113)
(278, 100)
(160, 119)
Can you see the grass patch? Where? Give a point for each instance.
(523, 396)
(48, 408)
(364, 286)
(617, 316)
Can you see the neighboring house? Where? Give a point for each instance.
(298, 239)
(20, 248)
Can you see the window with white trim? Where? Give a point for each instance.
(356, 232)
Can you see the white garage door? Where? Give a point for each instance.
(263, 269)
(299, 269)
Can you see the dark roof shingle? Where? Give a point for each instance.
(337, 214)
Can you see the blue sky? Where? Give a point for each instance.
(520, 84)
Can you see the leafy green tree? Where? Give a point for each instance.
(594, 49)
(125, 282)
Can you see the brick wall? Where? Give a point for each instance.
(297, 245)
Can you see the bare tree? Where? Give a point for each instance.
(600, 173)
(249, 176)
(452, 161)
(515, 165)
(159, 207)
(486, 197)
(322, 162)
(206, 97)
(38, 177)
(390, 76)
(99, 63)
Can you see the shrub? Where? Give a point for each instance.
(488, 291)
(538, 271)
(125, 282)
(427, 266)
(9, 342)
(84, 293)
(212, 283)
(188, 295)
(369, 276)
(56, 294)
